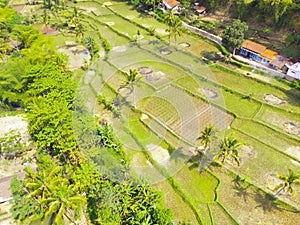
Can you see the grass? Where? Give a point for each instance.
(132, 57)
(248, 86)
(269, 136)
(60, 39)
(161, 109)
(240, 106)
(228, 101)
(142, 133)
(205, 212)
(200, 186)
(92, 6)
(251, 201)
(108, 34)
(182, 211)
(264, 160)
(123, 26)
(219, 215)
(171, 72)
(198, 46)
(276, 118)
(8, 112)
(146, 21)
(163, 133)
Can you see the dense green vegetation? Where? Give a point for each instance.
(234, 35)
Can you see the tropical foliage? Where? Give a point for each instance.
(288, 181)
(233, 36)
(131, 77)
(229, 150)
(207, 136)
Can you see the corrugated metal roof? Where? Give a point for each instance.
(279, 61)
(254, 47)
(171, 3)
(268, 54)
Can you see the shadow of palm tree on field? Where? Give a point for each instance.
(177, 154)
(241, 186)
(267, 202)
(202, 160)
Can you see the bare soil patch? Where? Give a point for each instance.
(19, 8)
(15, 124)
(146, 25)
(125, 90)
(159, 154)
(292, 128)
(120, 49)
(155, 76)
(185, 44)
(144, 70)
(78, 55)
(209, 93)
(130, 17)
(165, 51)
(294, 151)
(247, 151)
(273, 99)
(89, 9)
(110, 23)
(272, 181)
(107, 3)
(162, 31)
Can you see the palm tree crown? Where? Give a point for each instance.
(207, 135)
(229, 148)
(287, 182)
(132, 77)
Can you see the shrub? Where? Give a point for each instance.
(296, 84)
(267, 30)
(224, 50)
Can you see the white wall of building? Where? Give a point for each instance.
(294, 71)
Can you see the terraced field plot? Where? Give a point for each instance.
(182, 114)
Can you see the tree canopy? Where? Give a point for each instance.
(233, 36)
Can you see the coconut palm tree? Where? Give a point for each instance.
(169, 19)
(177, 29)
(229, 148)
(288, 181)
(207, 135)
(132, 77)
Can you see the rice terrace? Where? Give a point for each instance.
(160, 93)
